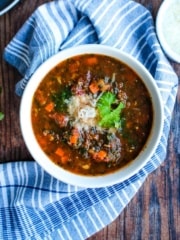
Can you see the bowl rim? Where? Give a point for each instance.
(66, 176)
(159, 30)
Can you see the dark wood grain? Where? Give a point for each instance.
(154, 212)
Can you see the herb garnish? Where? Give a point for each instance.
(109, 110)
(61, 99)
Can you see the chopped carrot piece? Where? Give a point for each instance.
(101, 154)
(74, 137)
(59, 152)
(92, 61)
(49, 107)
(94, 88)
(64, 159)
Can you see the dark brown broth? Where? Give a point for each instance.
(92, 151)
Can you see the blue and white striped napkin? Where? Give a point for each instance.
(33, 204)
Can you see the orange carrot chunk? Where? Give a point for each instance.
(94, 88)
(49, 107)
(101, 154)
(92, 61)
(64, 159)
(60, 152)
(74, 137)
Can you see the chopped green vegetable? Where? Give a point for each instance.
(61, 99)
(109, 116)
(1, 114)
(105, 102)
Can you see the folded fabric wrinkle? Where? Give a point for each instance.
(35, 205)
(7, 5)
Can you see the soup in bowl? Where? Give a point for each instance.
(91, 116)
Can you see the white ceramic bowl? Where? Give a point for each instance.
(168, 28)
(66, 176)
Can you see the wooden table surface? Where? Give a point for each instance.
(154, 212)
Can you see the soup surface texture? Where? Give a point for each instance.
(92, 114)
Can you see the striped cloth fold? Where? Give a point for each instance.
(33, 204)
